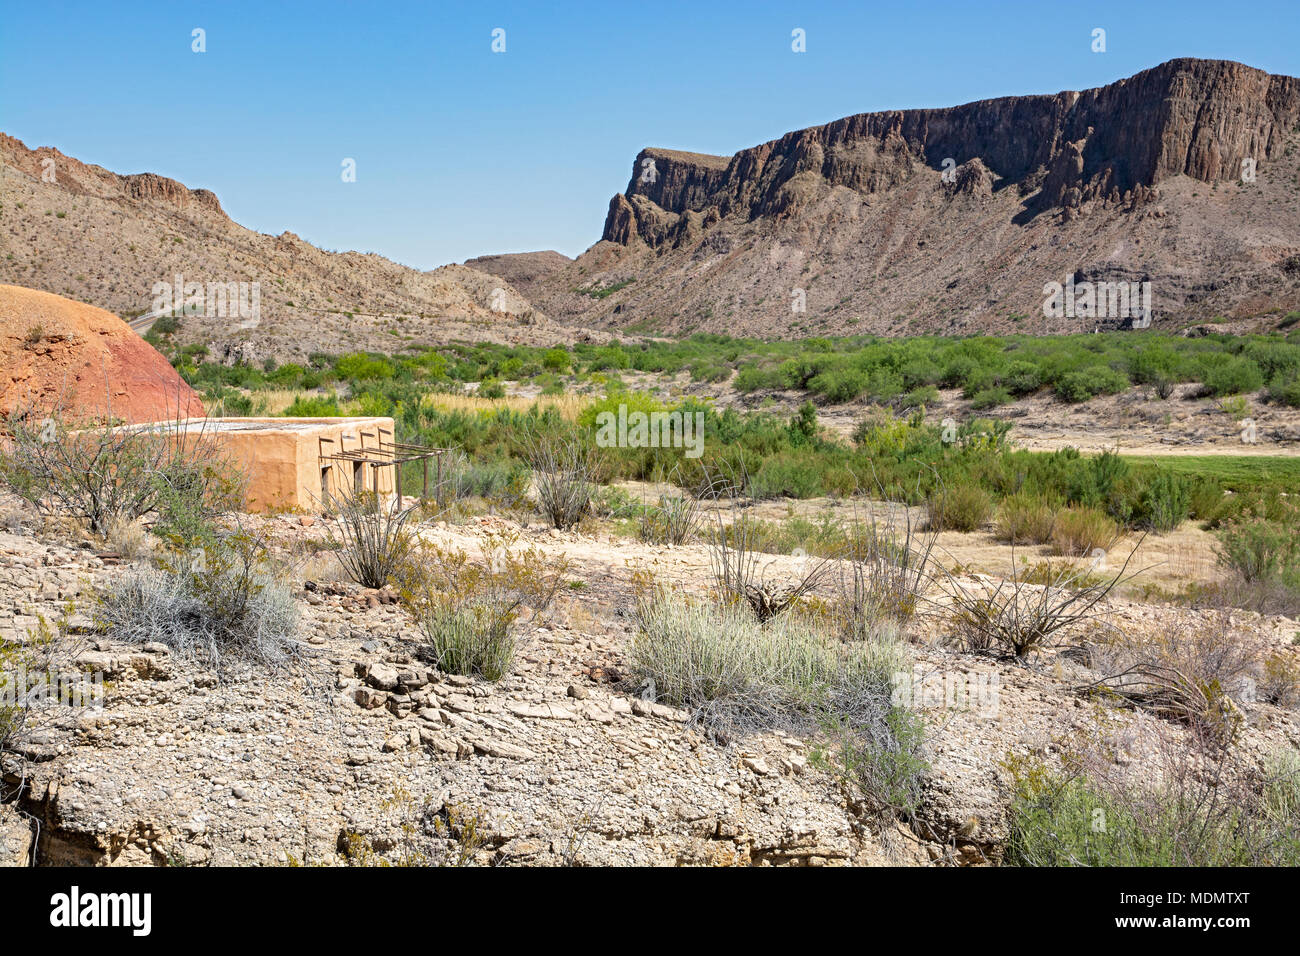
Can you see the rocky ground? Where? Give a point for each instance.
(359, 743)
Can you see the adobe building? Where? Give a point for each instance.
(301, 463)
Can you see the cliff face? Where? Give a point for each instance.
(954, 220)
(1199, 118)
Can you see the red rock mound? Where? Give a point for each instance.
(56, 353)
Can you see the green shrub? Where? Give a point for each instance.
(1232, 376)
(1026, 519)
(467, 610)
(919, 397)
(962, 507)
(990, 398)
(1164, 504)
(1022, 378)
(1081, 385)
(1078, 532)
(1060, 819)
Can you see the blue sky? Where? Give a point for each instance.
(461, 151)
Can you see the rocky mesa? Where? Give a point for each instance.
(953, 220)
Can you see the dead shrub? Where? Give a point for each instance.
(1195, 672)
(884, 573)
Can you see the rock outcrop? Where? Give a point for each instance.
(83, 361)
(1199, 118)
(953, 220)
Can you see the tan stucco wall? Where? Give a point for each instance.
(281, 457)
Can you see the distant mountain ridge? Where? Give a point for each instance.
(1175, 176)
(109, 240)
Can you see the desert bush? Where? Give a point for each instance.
(1026, 519)
(1232, 376)
(1193, 808)
(674, 520)
(736, 675)
(919, 397)
(370, 534)
(1164, 504)
(223, 600)
(742, 572)
(1279, 682)
(564, 469)
(1082, 531)
(1257, 549)
(883, 574)
(1059, 820)
(1085, 383)
(1193, 672)
(499, 479)
(719, 661)
(962, 507)
(101, 473)
(1012, 616)
(987, 398)
(467, 610)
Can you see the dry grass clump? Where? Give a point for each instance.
(468, 610)
(224, 600)
(1078, 532)
(1026, 519)
(128, 539)
(964, 507)
(737, 675)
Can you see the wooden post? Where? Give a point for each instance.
(439, 456)
(425, 497)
